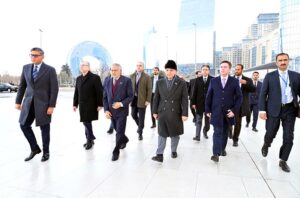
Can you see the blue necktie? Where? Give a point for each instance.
(35, 72)
(283, 88)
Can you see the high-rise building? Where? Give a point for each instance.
(290, 31)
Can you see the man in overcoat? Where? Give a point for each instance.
(170, 107)
(88, 95)
(36, 98)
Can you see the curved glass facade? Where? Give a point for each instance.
(88, 48)
(290, 31)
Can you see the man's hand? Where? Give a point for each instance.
(184, 118)
(263, 115)
(194, 106)
(99, 108)
(108, 115)
(147, 103)
(74, 108)
(208, 115)
(50, 110)
(230, 114)
(155, 116)
(18, 106)
(243, 82)
(116, 105)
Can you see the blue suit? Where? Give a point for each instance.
(270, 101)
(253, 100)
(218, 101)
(124, 94)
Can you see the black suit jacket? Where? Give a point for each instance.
(270, 96)
(246, 89)
(199, 93)
(255, 95)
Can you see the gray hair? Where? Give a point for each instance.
(85, 63)
(116, 65)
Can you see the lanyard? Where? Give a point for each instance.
(285, 81)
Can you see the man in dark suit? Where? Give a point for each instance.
(246, 86)
(117, 95)
(254, 101)
(198, 101)
(154, 78)
(141, 84)
(191, 89)
(170, 107)
(223, 101)
(88, 95)
(39, 84)
(278, 101)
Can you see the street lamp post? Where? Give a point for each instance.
(167, 47)
(195, 26)
(41, 32)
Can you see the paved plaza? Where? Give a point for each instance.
(74, 172)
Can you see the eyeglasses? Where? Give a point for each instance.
(34, 55)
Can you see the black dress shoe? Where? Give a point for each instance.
(247, 125)
(264, 150)
(158, 158)
(197, 138)
(254, 129)
(215, 158)
(140, 137)
(235, 144)
(89, 144)
(284, 166)
(153, 126)
(32, 154)
(224, 153)
(110, 131)
(174, 155)
(45, 157)
(205, 134)
(115, 157)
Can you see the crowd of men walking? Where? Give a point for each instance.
(221, 101)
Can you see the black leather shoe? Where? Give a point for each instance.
(247, 125)
(264, 150)
(205, 134)
(235, 144)
(254, 129)
(115, 157)
(174, 155)
(32, 154)
(153, 126)
(45, 157)
(123, 145)
(197, 138)
(158, 158)
(89, 144)
(284, 166)
(215, 158)
(110, 131)
(140, 137)
(224, 153)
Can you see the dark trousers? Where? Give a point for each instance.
(199, 117)
(111, 126)
(287, 117)
(89, 131)
(138, 115)
(254, 110)
(220, 138)
(151, 105)
(119, 124)
(193, 112)
(237, 127)
(29, 135)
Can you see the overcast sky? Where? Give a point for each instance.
(117, 25)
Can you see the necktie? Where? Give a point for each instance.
(137, 78)
(283, 88)
(204, 79)
(114, 81)
(169, 84)
(34, 72)
(223, 82)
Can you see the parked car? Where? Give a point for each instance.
(8, 87)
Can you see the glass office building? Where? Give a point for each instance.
(290, 31)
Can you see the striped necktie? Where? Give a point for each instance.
(35, 72)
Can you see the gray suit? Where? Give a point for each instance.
(36, 96)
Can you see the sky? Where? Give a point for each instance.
(117, 25)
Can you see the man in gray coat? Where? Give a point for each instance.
(39, 85)
(170, 107)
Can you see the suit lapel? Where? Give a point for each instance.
(41, 72)
(28, 73)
